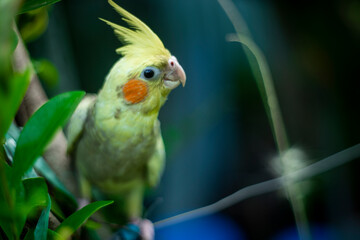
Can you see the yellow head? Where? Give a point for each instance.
(147, 72)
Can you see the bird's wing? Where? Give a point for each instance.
(156, 164)
(76, 123)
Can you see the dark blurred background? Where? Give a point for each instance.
(217, 136)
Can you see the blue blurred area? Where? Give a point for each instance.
(318, 232)
(214, 227)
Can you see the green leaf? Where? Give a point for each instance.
(42, 225)
(50, 235)
(11, 137)
(8, 11)
(33, 24)
(11, 97)
(34, 4)
(90, 224)
(47, 72)
(36, 192)
(41, 128)
(54, 235)
(61, 193)
(74, 221)
(11, 219)
(7, 226)
(56, 210)
(29, 235)
(33, 193)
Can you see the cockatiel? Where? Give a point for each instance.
(115, 135)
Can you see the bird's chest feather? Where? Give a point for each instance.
(117, 148)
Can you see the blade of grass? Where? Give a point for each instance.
(43, 222)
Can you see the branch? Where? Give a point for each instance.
(55, 154)
(271, 185)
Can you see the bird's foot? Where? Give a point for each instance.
(146, 227)
(137, 229)
(82, 202)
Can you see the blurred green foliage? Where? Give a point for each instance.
(10, 98)
(29, 5)
(215, 129)
(7, 42)
(40, 129)
(33, 23)
(46, 71)
(73, 222)
(23, 194)
(19, 196)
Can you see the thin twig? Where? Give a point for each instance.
(312, 170)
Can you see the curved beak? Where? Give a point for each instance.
(175, 74)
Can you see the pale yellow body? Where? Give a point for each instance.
(122, 153)
(118, 147)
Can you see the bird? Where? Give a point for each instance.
(114, 136)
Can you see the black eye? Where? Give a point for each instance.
(150, 73)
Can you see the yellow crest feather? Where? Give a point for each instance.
(139, 40)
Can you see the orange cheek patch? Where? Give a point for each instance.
(135, 91)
